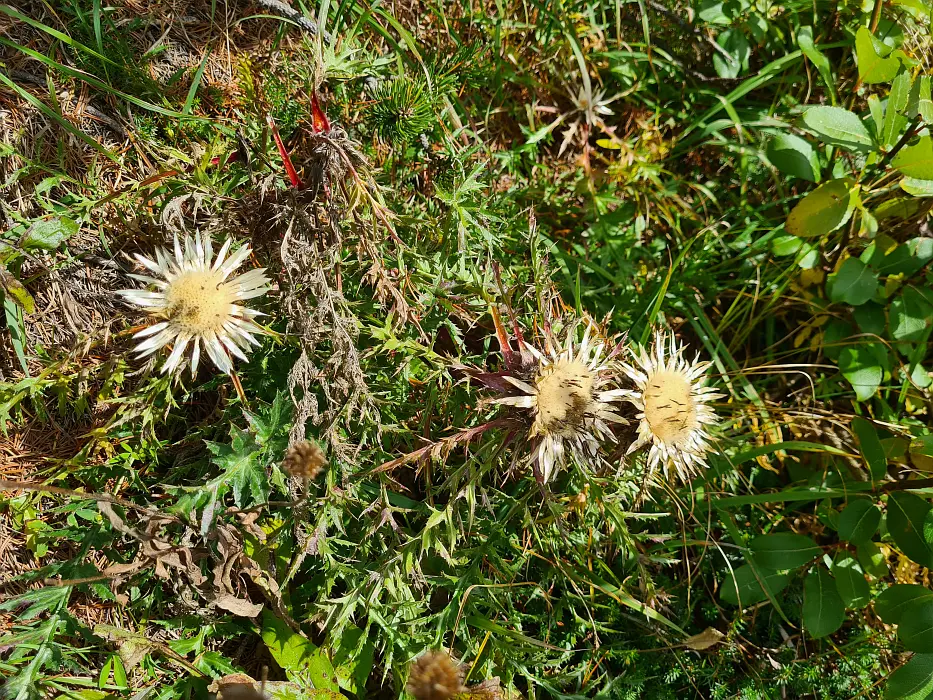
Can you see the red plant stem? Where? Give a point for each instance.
(289, 168)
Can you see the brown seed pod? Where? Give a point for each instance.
(435, 676)
(304, 460)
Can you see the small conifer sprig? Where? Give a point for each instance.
(402, 109)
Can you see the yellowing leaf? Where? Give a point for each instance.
(916, 161)
(709, 637)
(823, 210)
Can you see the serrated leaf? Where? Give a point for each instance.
(907, 513)
(794, 156)
(783, 550)
(916, 161)
(823, 610)
(859, 521)
(271, 422)
(873, 67)
(838, 126)
(353, 660)
(35, 602)
(853, 283)
(243, 471)
(824, 209)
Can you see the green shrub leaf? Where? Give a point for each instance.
(850, 581)
(794, 156)
(853, 283)
(913, 680)
(915, 629)
(894, 601)
(907, 513)
(741, 587)
(859, 521)
(784, 550)
(823, 610)
(838, 126)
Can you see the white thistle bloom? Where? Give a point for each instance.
(571, 406)
(672, 407)
(199, 304)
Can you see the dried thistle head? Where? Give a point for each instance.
(199, 303)
(571, 404)
(304, 460)
(435, 676)
(672, 402)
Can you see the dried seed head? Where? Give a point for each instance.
(565, 398)
(672, 401)
(304, 460)
(569, 396)
(435, 676)
(669, 406)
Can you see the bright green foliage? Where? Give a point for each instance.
(431, 187)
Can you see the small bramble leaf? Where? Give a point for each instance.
(910, 315)
(853, 283)
(737, 51)
(863, 367)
